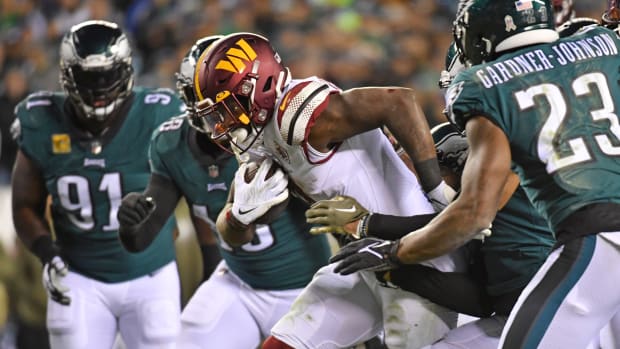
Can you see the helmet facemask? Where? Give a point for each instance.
(95, 68)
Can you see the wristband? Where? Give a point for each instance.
(44, 248)
(234, 223)
(362, 227)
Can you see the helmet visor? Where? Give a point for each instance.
(98, 88)
(223, 116)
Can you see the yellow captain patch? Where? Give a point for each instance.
(61, 143)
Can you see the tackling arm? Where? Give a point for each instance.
(485, 174)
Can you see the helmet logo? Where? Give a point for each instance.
(236, 57)
(510, 23)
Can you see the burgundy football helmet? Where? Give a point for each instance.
(563, 11)
(238, 82)
(611, 16)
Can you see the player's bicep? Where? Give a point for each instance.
(487, 167)
(352, 112)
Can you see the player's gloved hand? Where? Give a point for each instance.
(54, 269)
(441, 196)
(370, 254)
(252, 200)
(134, 210)
(334, 214)
(53, 273)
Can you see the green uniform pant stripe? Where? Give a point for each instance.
(535, 314)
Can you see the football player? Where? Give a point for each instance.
(264, 266)
(552, 114)
(330, 142)
(86, 148)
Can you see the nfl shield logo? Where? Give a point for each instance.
(214, 171)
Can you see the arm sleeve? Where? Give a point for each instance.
(461, 292)
(389, 227)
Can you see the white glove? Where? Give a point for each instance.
(53, 273)
(441, 196)
(252, 200)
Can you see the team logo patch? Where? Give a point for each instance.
(61, 143)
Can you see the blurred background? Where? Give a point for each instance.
(351, 43)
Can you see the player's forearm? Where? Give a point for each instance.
(390, 227)
(409, 126)
(231, 230)
(29, 225)
(452, 228)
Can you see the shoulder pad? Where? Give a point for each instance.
(464, 98)
(169, 133)
(35, 108)
(574, 25)
(299, 107)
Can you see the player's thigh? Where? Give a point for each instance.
(85, 323)
(575, 291)
(410, 321)
(479, 334)
(333, 311)
(150, 317)
(269, 306)
(216, 316)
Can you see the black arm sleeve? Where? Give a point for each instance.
(460, 292)
(166, 196)
(394, 227)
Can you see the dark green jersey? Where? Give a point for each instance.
(557, 103)
(282, 255)
(87, 177)
(518, 246)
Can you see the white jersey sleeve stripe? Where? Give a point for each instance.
(300, 109)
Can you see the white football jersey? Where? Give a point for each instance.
(364, 166)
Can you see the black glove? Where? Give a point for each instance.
(54, 269)
(135, 209)
(370, 254)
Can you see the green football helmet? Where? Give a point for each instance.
(454, 64)
(185, 80)
(485, 28)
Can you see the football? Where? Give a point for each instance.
(275, 211)
(250, 172)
